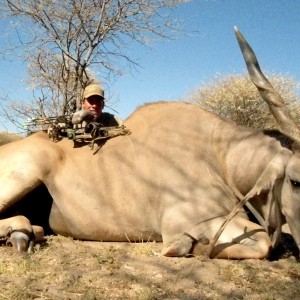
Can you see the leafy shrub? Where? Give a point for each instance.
(235, 97)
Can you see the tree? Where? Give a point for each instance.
(68, 44)
(235, 97)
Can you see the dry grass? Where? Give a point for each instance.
(68, 269)
(6, 137)
(235, 97)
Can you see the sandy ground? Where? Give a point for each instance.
(63, 268)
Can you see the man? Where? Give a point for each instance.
(92, 106)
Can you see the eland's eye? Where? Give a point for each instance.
(295, 183)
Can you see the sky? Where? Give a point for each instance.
(171, 70)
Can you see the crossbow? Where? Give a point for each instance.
(75, 127)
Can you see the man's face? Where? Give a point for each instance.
(94, 104)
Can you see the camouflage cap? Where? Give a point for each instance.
(93, 90)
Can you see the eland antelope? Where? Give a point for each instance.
(174, 179)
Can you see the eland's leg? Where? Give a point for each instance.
(241, 239)
(20, 233)
(21, 171)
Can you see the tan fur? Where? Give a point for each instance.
(176, 173)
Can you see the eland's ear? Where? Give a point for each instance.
(82, 115)
(274, 170)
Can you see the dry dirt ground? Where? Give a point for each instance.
(63, 268)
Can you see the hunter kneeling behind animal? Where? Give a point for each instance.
(92, 106)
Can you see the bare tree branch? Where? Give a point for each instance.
(66, 42)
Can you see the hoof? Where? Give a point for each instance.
(202, 239)
(20, 241)
(180, 245)
(38, 232)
